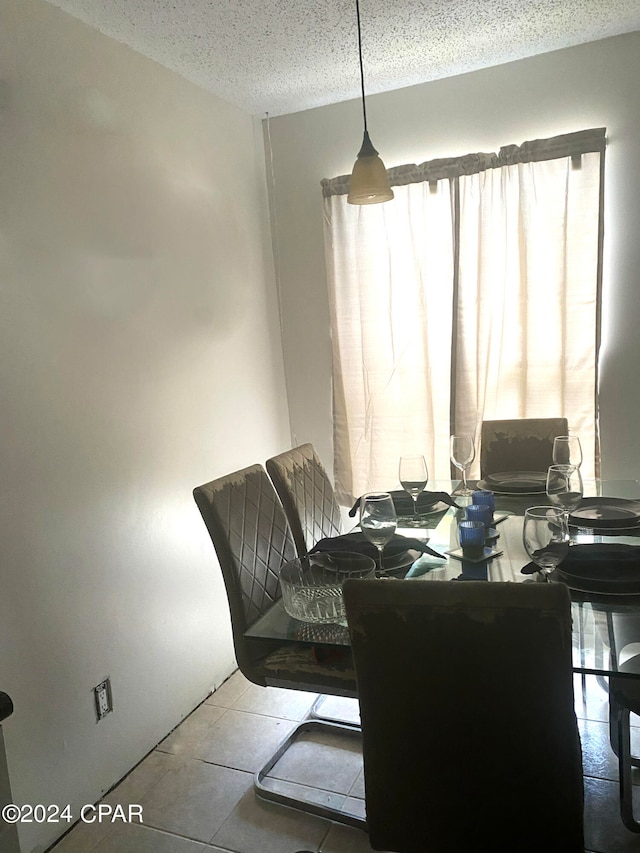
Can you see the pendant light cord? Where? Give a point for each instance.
(364, 109)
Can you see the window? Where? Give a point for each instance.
(475, 294)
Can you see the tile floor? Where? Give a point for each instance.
(196, 787)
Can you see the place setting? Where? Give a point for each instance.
(565, 541)
(377, 537)
(414, 506)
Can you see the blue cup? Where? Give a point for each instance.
(472, 535)
(484, 496)
(480, 512)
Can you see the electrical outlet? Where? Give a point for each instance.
(102, 696)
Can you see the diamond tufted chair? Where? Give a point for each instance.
(253, 541)
(307, 496)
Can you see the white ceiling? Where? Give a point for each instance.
(282, 56)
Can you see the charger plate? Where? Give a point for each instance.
(606, 513)
(515, 483)
(606, 569)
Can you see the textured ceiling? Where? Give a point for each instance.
(282, 56)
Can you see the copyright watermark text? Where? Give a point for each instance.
(102, 813)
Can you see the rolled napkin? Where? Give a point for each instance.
(602, 561)
(357, 543)
(404, 503)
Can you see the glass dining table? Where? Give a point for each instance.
(606, 627)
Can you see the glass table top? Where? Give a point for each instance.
(605, 627)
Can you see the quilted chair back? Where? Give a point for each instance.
(524, 444)
(307, 496)
(467, 712)
(252, 540)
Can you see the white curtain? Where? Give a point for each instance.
(473, 295)
(391, 275)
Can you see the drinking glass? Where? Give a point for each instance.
(545, 536)
(462, 455)
(378, 520)
(414, 476)
(471, 534)
(567, 450)
(564, 488)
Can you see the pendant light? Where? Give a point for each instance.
(369, 183)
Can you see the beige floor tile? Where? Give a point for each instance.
(592, 702)
(83, 838)
(130, 838)
(194, 799)
(604, 830)
(276, 702)
(194, 732)
(357, 789)
(344, 839)
(319, 760)
(229, 691)
(341, 708)
(244, 741)
(141, 779)
(598, 759)
(256, 826)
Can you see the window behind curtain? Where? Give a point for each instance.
(473, 295)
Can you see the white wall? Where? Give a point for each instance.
(140, 356)
(593, 85)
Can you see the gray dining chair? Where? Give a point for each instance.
(307, 496)
(623, 632)
(252, 540)
(469, 734)
(522, 444)
(309, 502)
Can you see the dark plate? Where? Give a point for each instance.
(399, 565)
(427, 503)
(515, 482)
(606, 569)
(606, 513)
(423, 513)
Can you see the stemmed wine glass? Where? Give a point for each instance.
(567, 450)
(545, 536)
(378, 519)
(463, 453)
(414, 477)
(564, 488)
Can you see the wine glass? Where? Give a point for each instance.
(567, 450)
(462, 455)
(378, 520)
(564, 488)
(545, 536)
(414, 477)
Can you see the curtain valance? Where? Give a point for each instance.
(533, 151)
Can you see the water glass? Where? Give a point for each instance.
(567, 450)
(480, 512)
(472, 537)
(462, 454)
(484, 496)
(545, 536)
